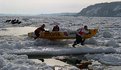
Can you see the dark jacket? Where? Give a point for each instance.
(38, 30)
(55, 28)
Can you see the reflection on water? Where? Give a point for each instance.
(16, 31)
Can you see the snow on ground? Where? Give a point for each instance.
(13, 37)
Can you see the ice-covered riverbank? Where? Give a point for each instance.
(14, 37)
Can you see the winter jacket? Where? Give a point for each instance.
(81, 32)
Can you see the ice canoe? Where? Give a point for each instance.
(55, 35)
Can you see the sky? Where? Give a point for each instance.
(45, 6)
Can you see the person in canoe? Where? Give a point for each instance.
(56, 28)
(80, 35)
(38, 30)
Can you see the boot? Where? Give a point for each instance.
(74, 45)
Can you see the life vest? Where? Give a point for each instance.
(82, 32)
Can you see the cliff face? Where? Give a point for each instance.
(112, 9)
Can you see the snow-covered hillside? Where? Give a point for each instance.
(102, 10)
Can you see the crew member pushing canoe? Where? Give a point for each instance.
(80, 35)
(38, 30)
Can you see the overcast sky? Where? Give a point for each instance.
(45, 6)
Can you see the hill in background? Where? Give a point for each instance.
(112, 9)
